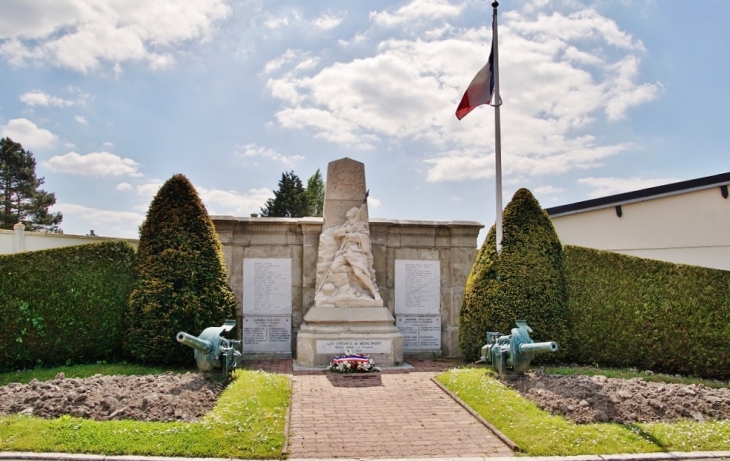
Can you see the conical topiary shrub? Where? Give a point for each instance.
(181, 277)
(481, 286)
(531, 274)
(526, 280)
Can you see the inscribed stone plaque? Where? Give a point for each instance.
(417, 287)
(420, 332)
(267, 334)
(356, 347)
(266, 286)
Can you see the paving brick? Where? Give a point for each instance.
(393, 414)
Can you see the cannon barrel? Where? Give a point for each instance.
(550, 346)
(201, 345)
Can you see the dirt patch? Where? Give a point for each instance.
(586, 399)
(165, 397)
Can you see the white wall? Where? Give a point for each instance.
(6, 241)
(688, 228)
(19, 240)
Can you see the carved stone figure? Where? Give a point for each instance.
(345, 265)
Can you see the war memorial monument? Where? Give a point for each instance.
(313, 288)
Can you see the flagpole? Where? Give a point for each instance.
(496, 102)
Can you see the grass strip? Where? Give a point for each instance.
(538, 433)
(85, 371)
(627, 373)
(247, 422)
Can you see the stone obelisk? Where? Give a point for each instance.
(348, 313)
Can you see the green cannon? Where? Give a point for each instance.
(512, 354)
(212, 351)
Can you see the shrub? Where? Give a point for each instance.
(525, 280)
(479, 294)
(64, 305)
(634, 312)
(181, 277)
(531, 276)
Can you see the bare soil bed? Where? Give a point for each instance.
(586, 399)
(165, 397)
(186, 397)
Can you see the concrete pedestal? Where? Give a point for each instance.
(330, 331)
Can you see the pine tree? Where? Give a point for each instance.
(181, 277)
(315, 194)
(290, 200)
(22, 201)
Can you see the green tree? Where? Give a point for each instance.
(290, 200)
(22, 201)
(526, 280)
(315, 194)
(182, 281)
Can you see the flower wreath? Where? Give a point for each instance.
(352, 363)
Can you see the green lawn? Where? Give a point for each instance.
(624, 373)
(84, 371)
(538, 433)
(247, 422)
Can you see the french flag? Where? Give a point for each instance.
(480, 90)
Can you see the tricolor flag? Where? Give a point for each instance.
(480, 89)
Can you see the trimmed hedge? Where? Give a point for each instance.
(477, 301)
(525, 281)
(634, 312)
(64, 305)
(182, 280)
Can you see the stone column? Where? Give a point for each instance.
(19, 241)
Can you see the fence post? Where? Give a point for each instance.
(19, 241)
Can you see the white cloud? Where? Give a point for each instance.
(373, 203)
(150, 189)
(276, 22)
(108, 144)
(284, 19)
(328, 21)
(548, 190)
(104, 222)
(624, 93)
(39, 98)
(94, 164)
(557, 84)
(300, 61)
(610, 186)
(275, 64)
(124, 186)
(416, 11)
(458, 166)
(81, 119)
(83, 34)
(584, 24)
(254, 150)
(28, 134)
(222, 202)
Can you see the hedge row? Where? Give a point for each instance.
(64, 305)
(629, 311)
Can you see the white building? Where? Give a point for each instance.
(686, 222)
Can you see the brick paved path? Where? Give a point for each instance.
(381, 415)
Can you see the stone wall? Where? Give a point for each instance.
(453, 243)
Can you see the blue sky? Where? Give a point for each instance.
(113, 97)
